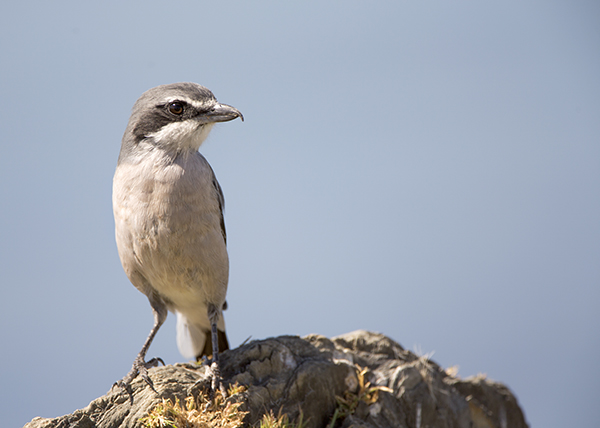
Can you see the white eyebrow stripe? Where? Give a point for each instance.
(198, 104)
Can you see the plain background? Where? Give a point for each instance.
(425, 169)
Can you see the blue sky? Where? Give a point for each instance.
(428, 170)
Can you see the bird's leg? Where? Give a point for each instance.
(140, 366)
(217, 383)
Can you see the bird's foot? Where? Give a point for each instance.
(210, 383)
(139, 367)
(217, 382)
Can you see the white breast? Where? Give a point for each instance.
(168, 229)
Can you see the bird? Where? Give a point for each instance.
(169, 224)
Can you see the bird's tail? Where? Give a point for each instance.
(195, 341)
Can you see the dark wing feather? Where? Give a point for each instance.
(221, 200)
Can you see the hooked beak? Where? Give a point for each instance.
(221, 113)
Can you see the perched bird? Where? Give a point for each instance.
(168, 208)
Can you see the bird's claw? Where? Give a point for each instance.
(211, 382)
(139, 367)
(216, 382)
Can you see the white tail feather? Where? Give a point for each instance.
(190, 339)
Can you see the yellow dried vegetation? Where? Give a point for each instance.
(366, 393)
(220, 412)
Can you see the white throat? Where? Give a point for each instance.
(186, 135)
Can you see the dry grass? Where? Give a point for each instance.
(269, 420)
(366, 393)
(221, 412)
(199, 412)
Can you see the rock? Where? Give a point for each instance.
(359, 379)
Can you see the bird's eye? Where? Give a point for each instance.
(176, 108)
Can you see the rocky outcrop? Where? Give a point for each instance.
(360, 379)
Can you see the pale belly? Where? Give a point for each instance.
(168, 231)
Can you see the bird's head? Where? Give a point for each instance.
(176, 117)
